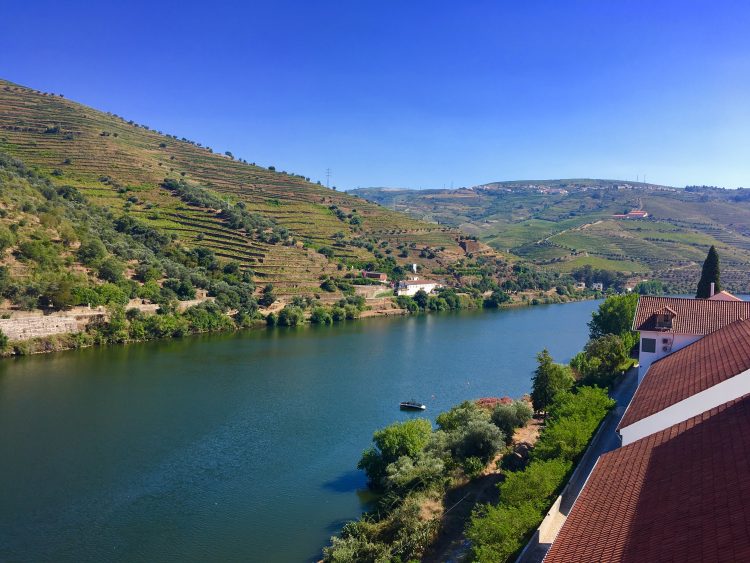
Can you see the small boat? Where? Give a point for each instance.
(412, 405)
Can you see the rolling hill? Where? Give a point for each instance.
(565, 224)
(278, 226)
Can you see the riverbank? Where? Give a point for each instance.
(71, 330)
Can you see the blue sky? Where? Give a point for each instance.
(413, 94)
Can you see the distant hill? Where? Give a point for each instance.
(565, 224)
(277, 226)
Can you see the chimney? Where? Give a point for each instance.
(713, 288)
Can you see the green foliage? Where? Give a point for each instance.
(392, 442)
(537, 484)
(497, 298)
(268, 297)
(320, 315)
(601, 361)
(498, 532)
(469, 432)
(711, 273)
(615, 316)
(291, 316)
(651, 287)
(3, 341)
(573, 419)
(409, 474)
(7, 237)
(549, 379)
(509, 417)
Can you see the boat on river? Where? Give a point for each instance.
(412, 406)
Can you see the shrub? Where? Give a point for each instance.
(320, 315)
(392, 442)
(509, 417)
(498, 532)
(537, 484)
(291, 316)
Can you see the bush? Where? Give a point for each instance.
(392, 442)
(291, 316)
(498, 532)
(320, 315)
(573, 419)
(537, 484)
(509, 417)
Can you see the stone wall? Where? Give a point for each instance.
(24, 327)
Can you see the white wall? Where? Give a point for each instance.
(676, 342)
(412, 290)
(727, 390)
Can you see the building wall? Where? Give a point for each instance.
(727, 390)
(412, 290)
(675, 342)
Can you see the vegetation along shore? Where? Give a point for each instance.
(497, 463)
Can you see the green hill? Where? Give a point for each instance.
(279, 227)
(565, 224)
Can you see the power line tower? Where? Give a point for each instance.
(328, 177)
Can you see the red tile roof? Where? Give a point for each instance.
(694, 316)
(696, 367)
(682, 494)
(725, 296)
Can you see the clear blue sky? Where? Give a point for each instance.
(413, 93)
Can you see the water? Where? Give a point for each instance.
(236, 447)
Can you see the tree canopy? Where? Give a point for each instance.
(710, 274)
(549, 379)
(615, 316)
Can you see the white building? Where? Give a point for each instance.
(668, 324)
(597, 286)
(411, 287)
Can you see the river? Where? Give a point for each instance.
(236, 447)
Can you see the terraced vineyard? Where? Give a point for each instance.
(565, 224)
(122, 165)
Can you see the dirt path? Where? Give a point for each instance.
(451, 544)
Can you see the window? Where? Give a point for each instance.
(648, 345)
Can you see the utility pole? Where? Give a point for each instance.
(328, 177)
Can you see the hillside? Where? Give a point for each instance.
(279, 227)
(565, 224)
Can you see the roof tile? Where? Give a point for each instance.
(682, 494)
(700, 365)
(693, 316)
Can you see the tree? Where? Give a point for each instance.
(601, 359)
(549, 380)
(615, 316)
(509, 417)
(267, 297)
(497, 298)
(392, 442)
(421, 299)
(710, 274)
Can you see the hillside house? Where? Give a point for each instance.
(597, 286)
(668, 324)
(411, 287)
(635, 214)
(378, 276)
